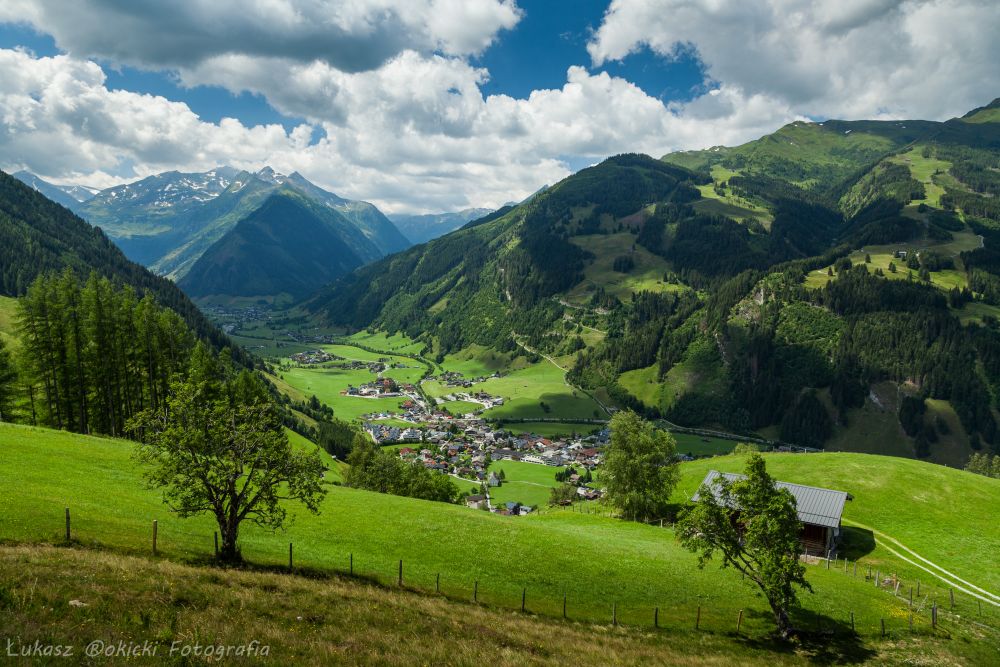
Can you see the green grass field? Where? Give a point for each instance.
(526, 483)
(924, 169)
(526, 389)
(594, 560)
(458, 408)
(550, 429)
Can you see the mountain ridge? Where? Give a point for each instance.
(288, 245)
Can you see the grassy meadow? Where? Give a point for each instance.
(526, 483)
(595, 561)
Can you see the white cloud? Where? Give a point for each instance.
(404, 123)
(351, 35)
(414, 134)
(847, 59)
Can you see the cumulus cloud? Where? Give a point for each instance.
(414, 134)
(394, 110)
(351, 35)
(847, 59)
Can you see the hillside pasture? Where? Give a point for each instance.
(647, 274)
(595, 561)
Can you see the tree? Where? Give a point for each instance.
(8, 376)
(640, 467)
(743, 448)
(218, 447)
(763, 544)
(562, 494)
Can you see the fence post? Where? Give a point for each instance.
(154, 537)
(67, 524)
(883, 627)
(911, 597)
(951, 592)
(934, 615)
(289, 555)
(911, 621)
(739, 622)
(475, 591)
(351, 565)
(876, 578)
(614, 613)
(697, 619)
(437, 583)
(524, 594)
(656, 617)
(564, 605)
(918, 588)
(400, 580)
(216, 535)
(852, 621)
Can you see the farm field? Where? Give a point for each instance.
(526, 483)
(551, 429)
(528, 388)
(592, 559)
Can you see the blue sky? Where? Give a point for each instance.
(435, 105)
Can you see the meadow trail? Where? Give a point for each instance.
(942, 574)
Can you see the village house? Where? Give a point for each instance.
(819, 511)
(476, 502)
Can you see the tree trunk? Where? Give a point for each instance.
(229, 529)
(781, 619)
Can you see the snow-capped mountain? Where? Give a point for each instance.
(168, 220)
(70, 196)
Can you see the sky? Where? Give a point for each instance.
(438, 105)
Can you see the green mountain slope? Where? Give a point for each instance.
(289, 245)
(168, 220)
(833, 284)
(38, 236)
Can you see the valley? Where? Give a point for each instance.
(517, 412)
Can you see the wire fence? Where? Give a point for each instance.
(909, 607)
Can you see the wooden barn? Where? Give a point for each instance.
(819, 511)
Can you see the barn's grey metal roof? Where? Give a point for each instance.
(815, 505)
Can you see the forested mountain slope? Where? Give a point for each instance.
(38, 236)
(833, 284)
(290, 245)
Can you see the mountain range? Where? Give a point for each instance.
(424, 227)
(167, 221)
(70, 196)
(822, 284)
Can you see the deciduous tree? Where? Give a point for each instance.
(218, 447)
(762, 543)
(640, 468)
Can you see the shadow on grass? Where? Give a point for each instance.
(856, 542)
(820, 639)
